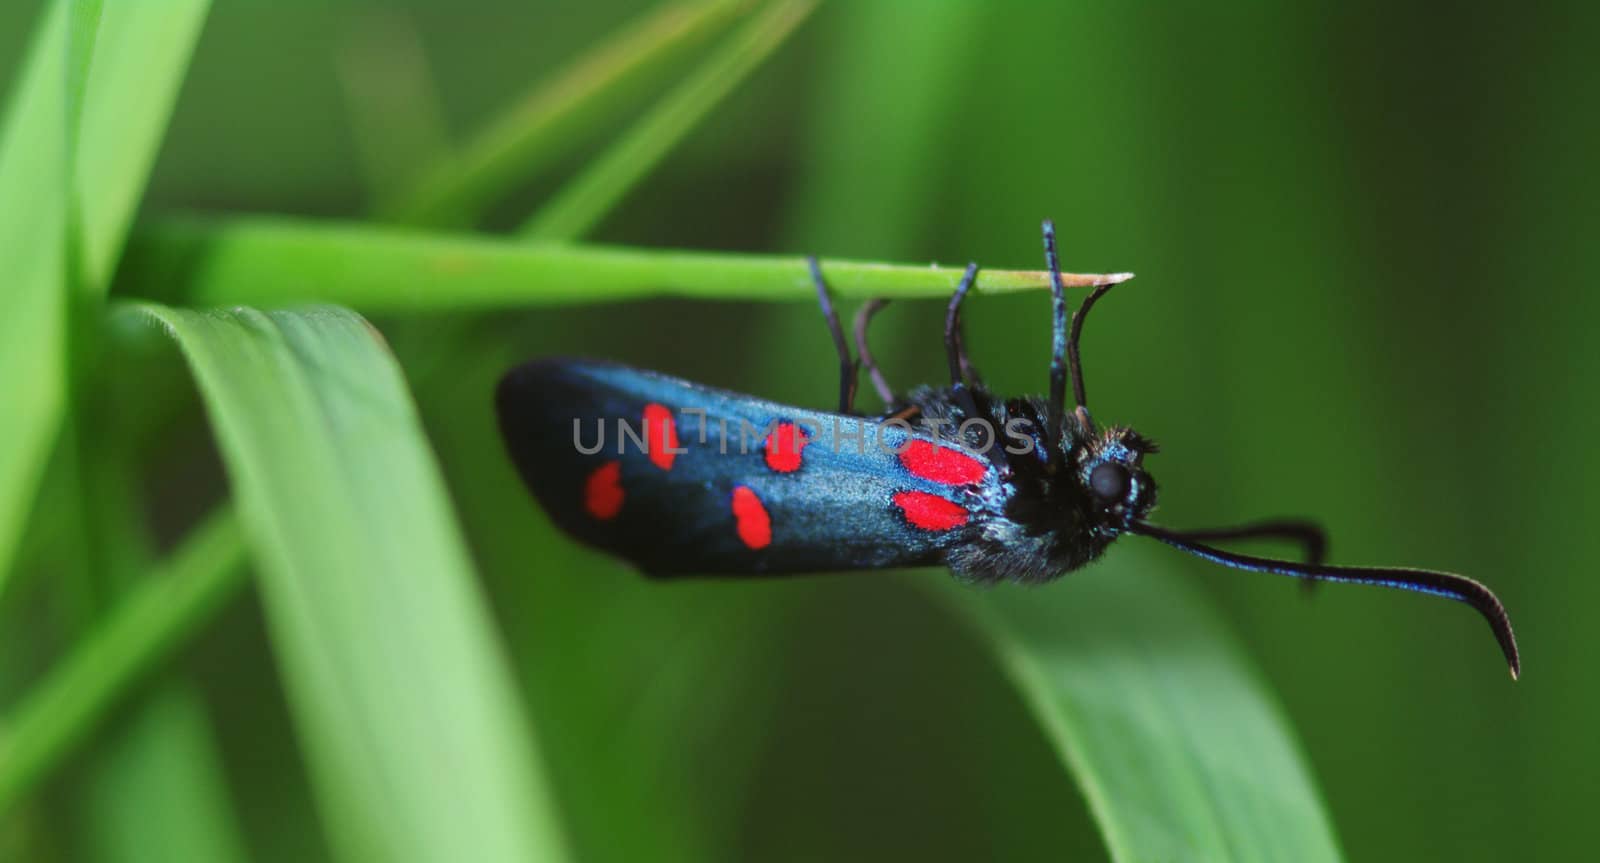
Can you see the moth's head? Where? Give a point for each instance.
(1109, 466)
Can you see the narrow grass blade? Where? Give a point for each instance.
(414, 737)
(882, 140)
(33, 330)
(396, 116)
(579, 205)
(129, 65)
(86, 117)
(553, 117)
(165, 757)
(1147, 700)
(123, 647)
(140, 53)
(273, 262)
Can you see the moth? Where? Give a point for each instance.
(681, 479)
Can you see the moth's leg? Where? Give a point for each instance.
(960, 390)
(971, 400)
(908, 413)
(847, 368)
(968, 370)
(952, 329)
(864, 354)
(1059, 345)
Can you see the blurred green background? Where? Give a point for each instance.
(1365, 239)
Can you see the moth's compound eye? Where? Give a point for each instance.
(1109, 482)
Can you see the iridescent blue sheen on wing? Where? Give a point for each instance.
(835, 511)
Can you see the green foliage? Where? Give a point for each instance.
(1146, 699)
(166, 758)
(166, 609)
(574, 210)
(413, 733)
(547, 122)
(256, 260)
(140, 54)
(1322, 205)
(33, 366)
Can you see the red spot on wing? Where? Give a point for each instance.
(784, 446)
(930, 511)
(751, 519)
(941, 464)
(602, 492)
(660, 435)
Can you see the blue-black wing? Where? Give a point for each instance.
(680, 478)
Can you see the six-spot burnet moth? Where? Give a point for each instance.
(681, 479)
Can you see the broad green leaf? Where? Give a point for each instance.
(33, 212)
(411, 725)
(1148, 701)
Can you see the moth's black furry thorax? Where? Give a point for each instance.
(1045, 510)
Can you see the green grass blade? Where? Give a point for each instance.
(87, 115)
(396, 117)
(274, 262)
(82, 30)
(414, 737)
(129, 61)
(1167, 729)
(140, 53)
(849, 192)
(581, 204)
(162, 748)
(552, 118)
(162, 611)
(33, 329)
(165, 757)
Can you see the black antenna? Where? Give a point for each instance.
(1310, 536)
(1456, 587)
